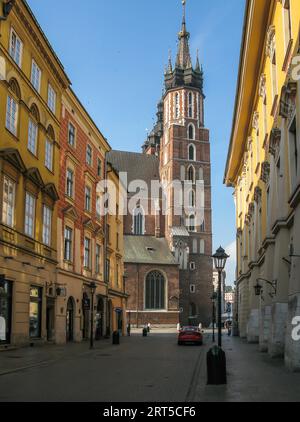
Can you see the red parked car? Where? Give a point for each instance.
(190, 335)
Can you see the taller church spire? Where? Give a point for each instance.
(183, 55)
(183, 73)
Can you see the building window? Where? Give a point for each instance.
(68, 244)
(87, 252)
(155, 291)
(47, 218)
(32, 136)
(138, 222)
(15, 48)
(98, 207)
(35, 313)
(274, 74)
(107, 270)
(98, 258)
(177, 109)
(192, 288)
(293, 141)
(12, 115)
(191, 174)
(257, 147)
(49, 155)
(89, 155)
(202, 247)
(265, 116)
(36, 76)
(71, 135)
(51, 99)
(192, 152)
(8, 202)
(191, 223)
(192, 266)
(87, 205)
(287, 22)
(192, 198)
(202, 227)
(70, 183)
(191, 132)
(5, 310)
(118, 242)
(117, 275)
(99, 167)
(190, 105)
(29, 214)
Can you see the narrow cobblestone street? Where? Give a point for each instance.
(154, 369)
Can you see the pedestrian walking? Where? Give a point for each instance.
(200, 326)
(178, 327)
(149, 327)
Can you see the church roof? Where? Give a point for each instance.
(138, 166)
(147, 250)
(179, 231)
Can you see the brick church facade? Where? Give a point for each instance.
(168, 262)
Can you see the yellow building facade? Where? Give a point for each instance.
(263, 167)
(31, 86)
(115, 277)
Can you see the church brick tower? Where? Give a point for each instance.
(181, 141)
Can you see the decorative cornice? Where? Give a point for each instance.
(288, 100)
(275, 138)
(270, 47)
(37, 40)
(265, 172)
(257, 194)
(255, 120)
(262, 85)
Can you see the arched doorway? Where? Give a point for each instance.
(99, 318)
(70, 319)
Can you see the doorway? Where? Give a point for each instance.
(50, 319)
(99, 318)
(70, 319)
(5, 311)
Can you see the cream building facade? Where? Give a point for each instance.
(263, 167)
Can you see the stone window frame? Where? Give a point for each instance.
(166, 288)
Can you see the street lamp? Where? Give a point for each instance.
(220, 258)
(259, 289)
(93, 287)
(213, 299)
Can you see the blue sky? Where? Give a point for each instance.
(115, 52)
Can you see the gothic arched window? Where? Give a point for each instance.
(192, 198)
(155, 291)
(138, 222)
(191, 223)
(190, 104)
(177, 108)
(192, 152)
(191, 174)
(191, 132)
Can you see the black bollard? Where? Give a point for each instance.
(116, 337)
(216, 366)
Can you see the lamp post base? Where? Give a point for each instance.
(216, 366)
